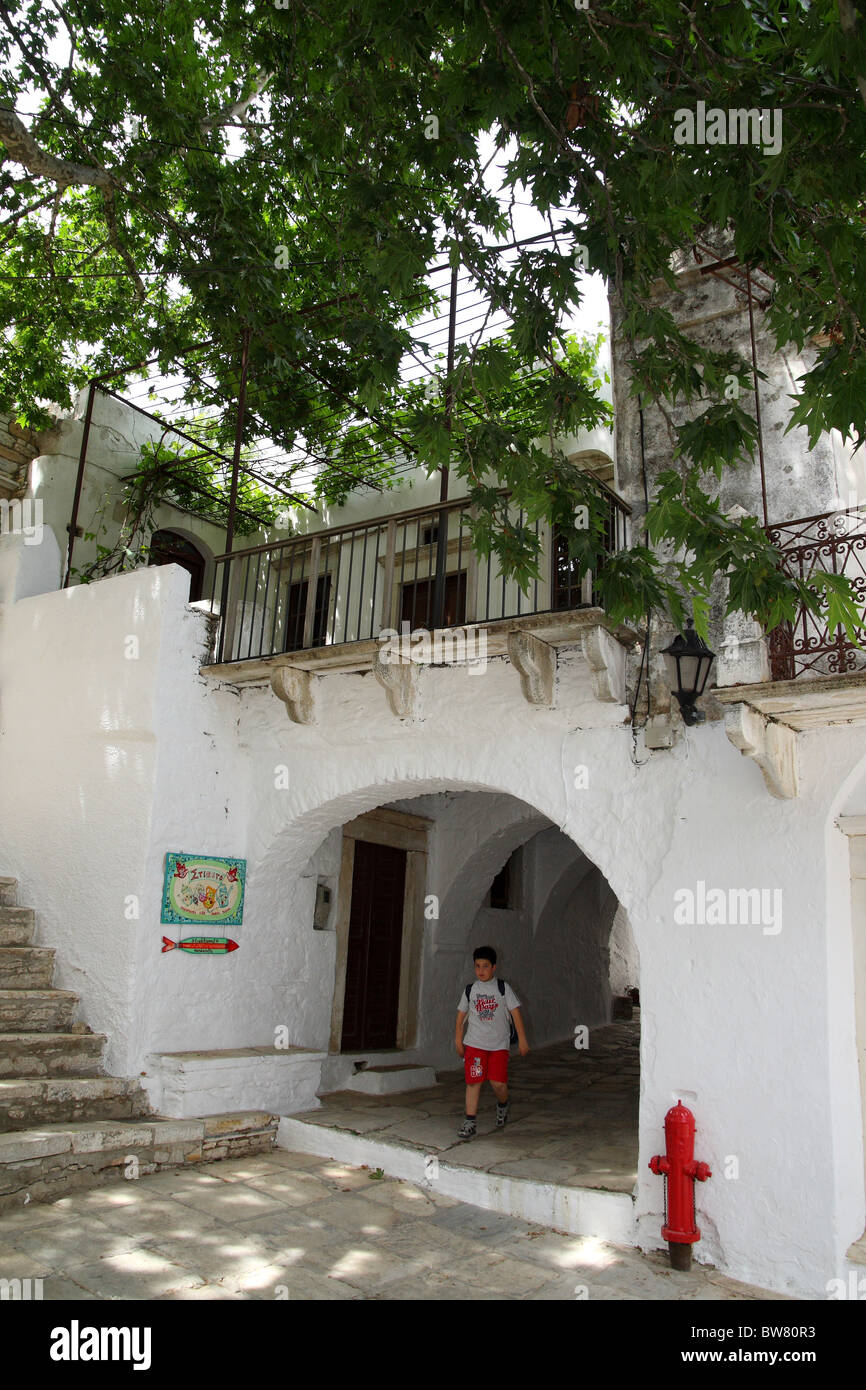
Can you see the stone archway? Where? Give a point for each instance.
(478, 830)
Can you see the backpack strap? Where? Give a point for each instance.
(512, 1031)
(468, 991)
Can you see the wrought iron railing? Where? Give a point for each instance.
(834, 542)
(351, 583)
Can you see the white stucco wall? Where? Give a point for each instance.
(106, 763)
(117, 434)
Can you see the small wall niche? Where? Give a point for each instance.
(323, 911)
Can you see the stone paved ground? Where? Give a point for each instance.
(287, 1225)
(574, 1115)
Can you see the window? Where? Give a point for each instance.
(168, 548)
(500, 888)
(418, 596)
(506, 890)
(297, 613)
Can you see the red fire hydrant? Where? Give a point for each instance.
(681, 1171)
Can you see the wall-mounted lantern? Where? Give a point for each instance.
(688, 660)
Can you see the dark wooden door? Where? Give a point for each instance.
(375, 941)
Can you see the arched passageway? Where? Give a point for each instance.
(416, 884)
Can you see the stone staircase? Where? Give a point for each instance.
(63, 1122)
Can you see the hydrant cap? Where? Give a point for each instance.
(680, 1114)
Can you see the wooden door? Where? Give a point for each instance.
(375, 942)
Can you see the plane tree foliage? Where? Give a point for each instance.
(176, 175)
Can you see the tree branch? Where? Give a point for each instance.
(227, 114)
(23, 149)
(114, 238)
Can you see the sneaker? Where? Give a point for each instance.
(502, 1113)
(467, 1129)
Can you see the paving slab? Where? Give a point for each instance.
(295, 1189)
(137, 1274)
(366, 1266)
(356, 1214)
(73, 1242)
(438, 1286)
(361, 1238)
(231, 1202)
(216, 1258)
(275, 1281)
(401, 1197)
(439, 1247)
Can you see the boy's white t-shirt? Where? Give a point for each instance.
(488, 1026)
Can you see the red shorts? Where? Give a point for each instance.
(480, 1065)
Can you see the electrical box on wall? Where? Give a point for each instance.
(322, 913)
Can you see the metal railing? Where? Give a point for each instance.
(352, 583)
(831, 541)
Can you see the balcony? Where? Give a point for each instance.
(325, 601)
(809, 678)
(836, 542)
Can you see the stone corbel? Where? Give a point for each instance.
(773, 747)
(295, 688)
(606, 660)
(400, 682)
(536, 663)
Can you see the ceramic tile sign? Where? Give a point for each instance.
(202, 891)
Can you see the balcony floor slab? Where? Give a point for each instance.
(808, 702)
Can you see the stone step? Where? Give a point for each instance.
(51, 1054)
(389, 1081)
(39, 1165)
(238, 1133)
(17, 925)
(26, 967)
(36, 1010)
(37, 1100)
(8, 891)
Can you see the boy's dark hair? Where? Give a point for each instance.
(484, 953)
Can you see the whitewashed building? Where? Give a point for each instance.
(720, 869)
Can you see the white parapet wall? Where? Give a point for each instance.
(99, 696)
(189, 1084)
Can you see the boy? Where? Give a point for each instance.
(485, 1047)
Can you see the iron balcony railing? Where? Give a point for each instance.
(351, 583)
(831, 541)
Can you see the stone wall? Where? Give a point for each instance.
(800, 482)
(18, 447)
